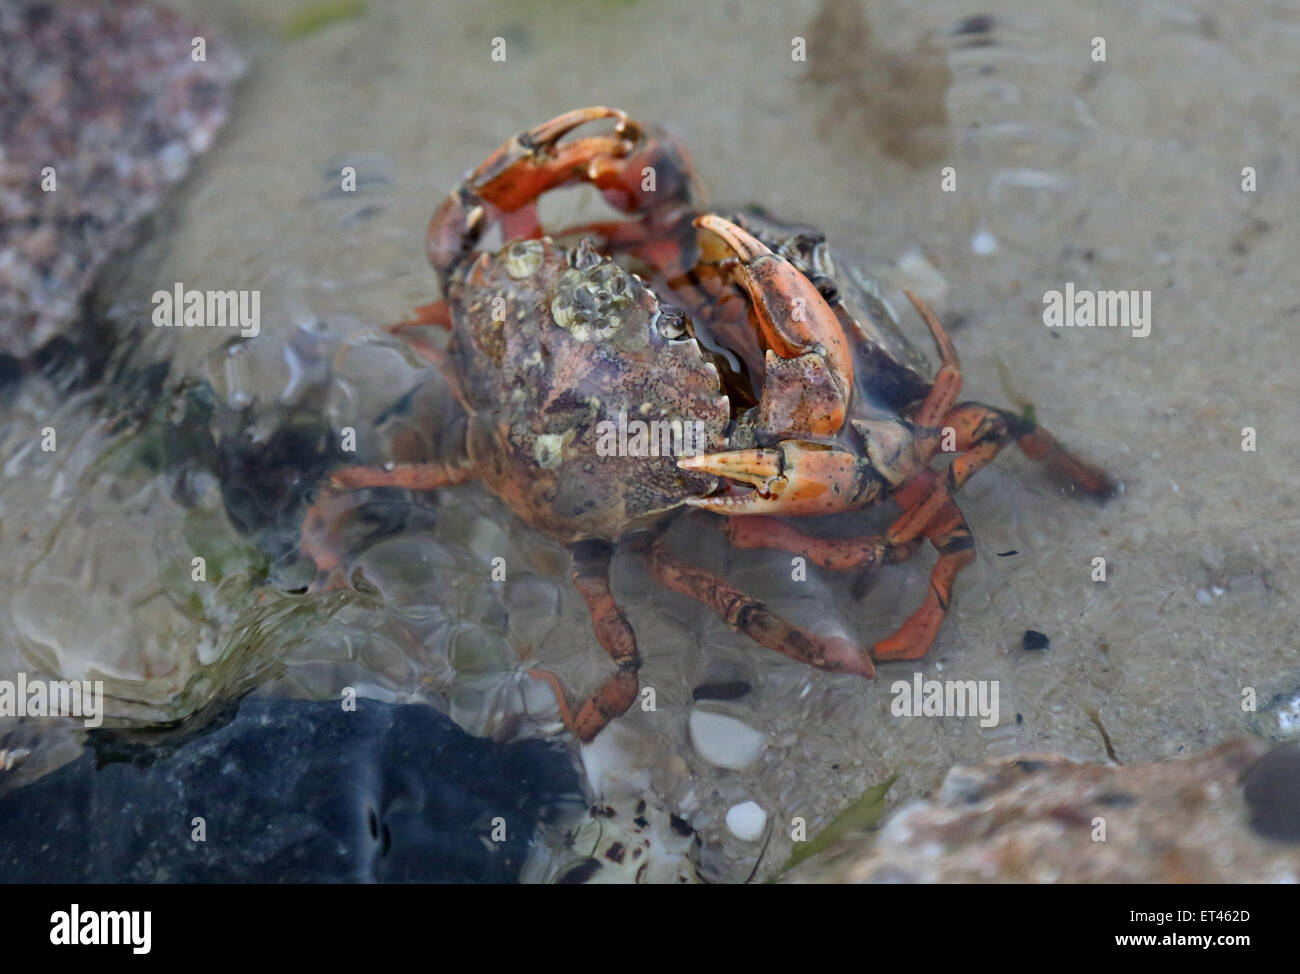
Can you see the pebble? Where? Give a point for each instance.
(984, 243)
(1034, 640)
(1272, 792)
(746, 821)
(1206, 596)
(723, 741)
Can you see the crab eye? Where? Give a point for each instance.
(826, 288)
(670, 323)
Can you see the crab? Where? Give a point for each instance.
(802, 396)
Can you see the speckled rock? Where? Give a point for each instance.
(107, 95)
(624, 843)
(1042, 818)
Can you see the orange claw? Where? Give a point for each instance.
(532, 162)
(809, 369)
(513, 176)
(794, 478)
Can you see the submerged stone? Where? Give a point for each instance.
(291, 791)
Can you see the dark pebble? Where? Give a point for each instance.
(976, 24)
(1272, 791)
(680, 825)
(1034, 640)
(729, 690)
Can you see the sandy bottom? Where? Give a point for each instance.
(1125, 174)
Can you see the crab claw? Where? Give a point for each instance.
(793, 478)
(513, 176)
(809, 370)
(533, 161)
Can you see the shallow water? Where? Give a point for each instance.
(1111, 175)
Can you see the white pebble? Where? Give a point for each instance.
(723, 741)
(984, 243)
(746, 821)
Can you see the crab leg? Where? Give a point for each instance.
(951, 536)
(506, 186)
(513, 176)
(320, 525)
(922, 499)
(837, 554)
(591, 578)
(944, 391)
(433, 313)
(410, 476)
(809, 369)
(321, 528)
(752, 617)
(929, 510)
(982, 431)
(945, 528)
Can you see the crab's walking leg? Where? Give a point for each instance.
(929, 511)
(320, 539)
(433, 313)
(429, 352)
(320, 523)
(982, 431)
(411, 476)
(837, 554)
(591, 578)
(752, 617)
(950, 534)
(1040, 445)
(943, 393)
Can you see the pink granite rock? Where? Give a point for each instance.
(1231, 815)
(110, 96)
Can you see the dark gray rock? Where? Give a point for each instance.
(290, 791)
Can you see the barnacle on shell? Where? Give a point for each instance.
(589, 301)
